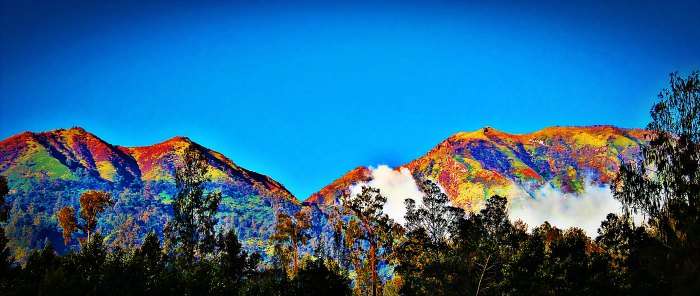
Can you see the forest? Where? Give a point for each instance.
(440, 250)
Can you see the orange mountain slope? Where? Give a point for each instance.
(472, 166)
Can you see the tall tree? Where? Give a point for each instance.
(192, 228)
(631, 248)
(4, 190)
(422, 254)
(66, 220)
(315, 278)
(150, 257)
(92, 203)
(375, 228)
(291, 232)
(665, 185)
(232, 265)
(5, 264)
(435, 214)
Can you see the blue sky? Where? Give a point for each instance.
(306, 91)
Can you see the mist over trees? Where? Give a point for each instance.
(440, 250)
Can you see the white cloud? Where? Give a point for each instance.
(584, 210)
(396, 186)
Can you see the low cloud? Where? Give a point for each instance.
(396, 186)
(585, 210)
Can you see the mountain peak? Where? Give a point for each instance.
(65, 154)
(471, 166)
(179, 139)
(482, 133)
(77, 129)
(327, 195)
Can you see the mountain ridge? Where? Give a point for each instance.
(76, 146)
(472, 166)
(49, 170)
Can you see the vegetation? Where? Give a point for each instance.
(290, 233)
(439, 251)
(92, 203)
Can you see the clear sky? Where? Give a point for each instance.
(304, 92)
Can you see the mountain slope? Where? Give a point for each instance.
(472, 166)
(49, 170)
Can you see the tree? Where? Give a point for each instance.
(4, 190)
(192, 228)
(93, 203)
(66, 219)
(316, 279)
(665, 185)
(422, 255)
(371, 225)
(233, 264)
(435, 215)
(5, 264)
(630, 249)
(525, 276)
(150, 257)
(290, 233)
(485, 244)
(90, 260)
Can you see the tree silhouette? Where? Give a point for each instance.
(423, 252)
(150, 258)
(435, 215)
(290, 234)
(232, 266)
(372, 226)
(665, 185)
(315, 279)
(5, 264)
(192, 227)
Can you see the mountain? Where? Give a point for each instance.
(472, 166)
(49, 170)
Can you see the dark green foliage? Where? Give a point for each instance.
(489, 255)
(233, 264)
(149, 262)
(631, 250)
(5, 263)
(271, 282)
(371, 227)
(3, 192)
(424, 252)
(665, 187)
(316, 279)
(192, 232)
(435, 216)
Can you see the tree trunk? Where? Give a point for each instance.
(296, 260)
(483, 270)
(373, 267)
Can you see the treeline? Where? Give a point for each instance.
(192, 259)
(440, 250)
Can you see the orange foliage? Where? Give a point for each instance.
(92, 203)
(66, 219)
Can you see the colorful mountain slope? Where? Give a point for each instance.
(472, 166)
(339, 187)
(49, 170)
